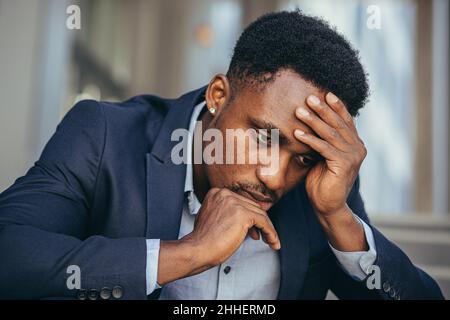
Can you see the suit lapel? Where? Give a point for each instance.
(165, 180)
(289, 218)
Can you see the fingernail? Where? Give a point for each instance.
(314, 100)
(299, 133)
(302, 112)
(332, 98)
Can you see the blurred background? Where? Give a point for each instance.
(168, 47)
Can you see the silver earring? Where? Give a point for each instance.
(212, 110)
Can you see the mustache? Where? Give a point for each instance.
(238, 187)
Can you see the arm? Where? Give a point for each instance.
(44, 220)
(400, 279)
(335, 197)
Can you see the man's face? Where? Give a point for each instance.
(270, 108)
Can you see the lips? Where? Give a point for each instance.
(264, 201)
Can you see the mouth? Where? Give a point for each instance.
(265, 202)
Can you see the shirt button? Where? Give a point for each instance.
(227, 269)
(386, 287)
(392, 293)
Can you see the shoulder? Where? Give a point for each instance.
(144, 107)
(149, 106)
(137, 112)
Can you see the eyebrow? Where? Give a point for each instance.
(284, 140)
(262, 124)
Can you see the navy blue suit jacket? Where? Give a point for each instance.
(105, 183)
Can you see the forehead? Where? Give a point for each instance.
(279, 99)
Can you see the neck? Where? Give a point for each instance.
(201, 183)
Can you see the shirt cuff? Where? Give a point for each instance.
(357, 264)
(151, 269)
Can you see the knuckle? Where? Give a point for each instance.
(320, 108)
(356, 160)
(213, 191)
(325, 146)
(363, 152)
(230, 199)
(223, 193)
(240, 209)
(264, 213)
(237, 215)
(333, 133)
(349, 119)
(362, 142)
(348, 162)
(340, 125)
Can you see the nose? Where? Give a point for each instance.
(276, 180)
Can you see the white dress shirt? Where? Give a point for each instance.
(252, 272)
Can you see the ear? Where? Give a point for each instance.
(218, 94)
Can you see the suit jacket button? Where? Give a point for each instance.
(81, 294)
(105, 293)
(392, 293)
(93, 294)
(117, 292)
(386, 287)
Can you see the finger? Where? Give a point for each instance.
(253, 209)
(338, 106)
(263, 223)
(330, 117)
(257, 210)
(254, 233)
(322, 129)
(228, 192)
(212, 192)
(245, 199)
(248, 206)
(325, 149)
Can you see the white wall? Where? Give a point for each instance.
(34, 57)
(18, 38)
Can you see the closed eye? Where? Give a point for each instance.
(263, 137)
(306, 161)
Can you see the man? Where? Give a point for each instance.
(106, 198)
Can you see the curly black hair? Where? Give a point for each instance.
(305, 44)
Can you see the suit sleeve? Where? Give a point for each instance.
(44, 219)
(399, 278)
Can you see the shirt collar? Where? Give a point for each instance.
(193, 203)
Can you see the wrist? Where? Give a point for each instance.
(344, 231)
(337, 218)
(194, 254)
(179, 259)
